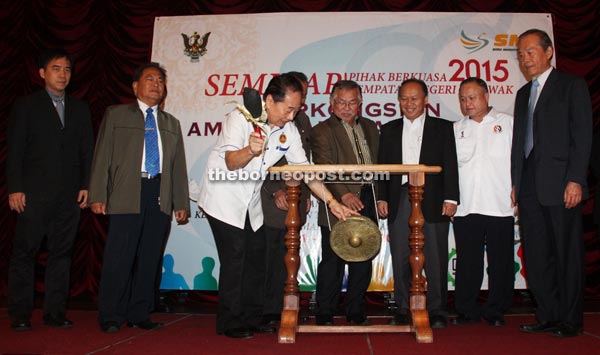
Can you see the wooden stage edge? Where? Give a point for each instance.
(354, 328)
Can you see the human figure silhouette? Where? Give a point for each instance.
(171, 280)
(205, 280)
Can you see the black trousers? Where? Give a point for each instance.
(330, 272)
(474, 235)
(241, 274)
(131, 256)
(58, 221)
(436, 260)
(554, 255)
(276, 273)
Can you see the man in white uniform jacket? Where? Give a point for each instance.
(484, 219)
(230, 197)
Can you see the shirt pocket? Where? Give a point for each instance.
(465, 146)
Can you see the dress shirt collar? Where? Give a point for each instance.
(55, 97)
(488, 116)
(144, 107)
(492, 115)
(356, 120)
(542, 78)
(418, 120)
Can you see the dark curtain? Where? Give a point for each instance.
(109, 39)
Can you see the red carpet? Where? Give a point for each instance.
(195, 334)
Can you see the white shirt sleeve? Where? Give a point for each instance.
(235, 134)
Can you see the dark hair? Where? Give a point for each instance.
(475, 80)
(280, 85)
(138, 72)
(545, 40)
(347, 85)
(416, 81)
(53, 53)
(300, 76)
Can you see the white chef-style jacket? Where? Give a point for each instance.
(483, 151)
(230, 200)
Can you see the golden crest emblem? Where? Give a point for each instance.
(194, 48)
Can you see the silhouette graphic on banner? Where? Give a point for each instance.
(171, 280)
(205, 280)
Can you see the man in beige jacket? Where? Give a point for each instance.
(139, 177)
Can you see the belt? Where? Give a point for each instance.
(145, 175)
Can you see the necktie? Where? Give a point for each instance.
(531, 108)
(151, 144)
(60, 108)
(361, 157)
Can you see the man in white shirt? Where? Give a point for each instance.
(275, 208)
(418, 138)
(484, 220)
(232, 202)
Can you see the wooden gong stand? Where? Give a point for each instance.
(291, 300)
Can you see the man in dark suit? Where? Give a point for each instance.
(344, 138)
(595, 168)
(419, 139)
(50, 143)
(274, 204)
(550, 154)
(139, 177)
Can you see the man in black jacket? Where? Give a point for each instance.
(50, 143)
(550, 154)
(418, 138)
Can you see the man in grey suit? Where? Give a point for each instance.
(274, 204)
(550, 153)
(344, 138)
(50, 142)
(139, 177)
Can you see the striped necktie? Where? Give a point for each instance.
(152, 160)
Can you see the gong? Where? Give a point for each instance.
(356, 239)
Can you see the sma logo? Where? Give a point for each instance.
(506, 42)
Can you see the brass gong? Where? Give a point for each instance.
(355, 239)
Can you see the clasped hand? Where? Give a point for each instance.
(256, 144)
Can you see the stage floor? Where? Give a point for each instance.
(194, 333)
(190, 329)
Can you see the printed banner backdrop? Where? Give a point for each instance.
(210, 58)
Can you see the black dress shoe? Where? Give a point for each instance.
(566, 330)
(358, 320)
(271, 319)
(145, 324)
(495, 321)
(263, 329)
(20, 325)
(438, 322)
(324, 319)
(239, 333)
(538, 327)
(462, 319)
(110, 327)
(57, 322)
(400, 319)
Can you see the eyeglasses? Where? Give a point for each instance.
(351, 104)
